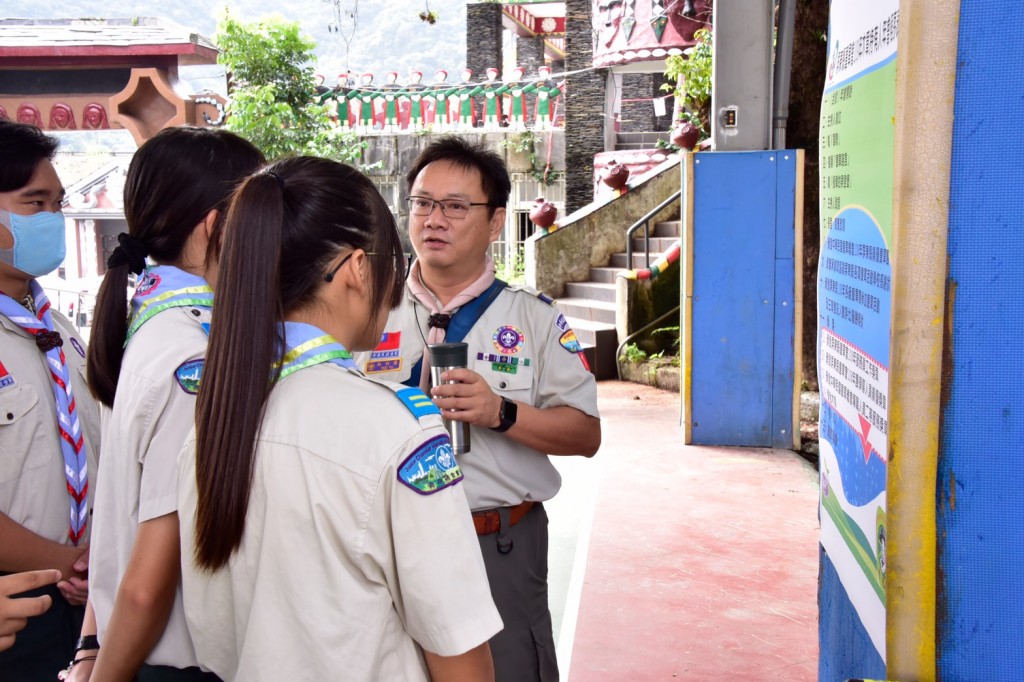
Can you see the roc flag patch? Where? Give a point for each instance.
(188, 375)
(387, 356)
(5, 377)
(431, 467)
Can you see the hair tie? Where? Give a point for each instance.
(131, 252)
(278, 178)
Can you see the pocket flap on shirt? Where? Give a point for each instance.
(16, 402)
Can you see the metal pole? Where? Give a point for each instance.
(783, 69)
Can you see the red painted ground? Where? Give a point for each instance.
(702, 562)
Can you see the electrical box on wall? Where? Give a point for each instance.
(741, 93)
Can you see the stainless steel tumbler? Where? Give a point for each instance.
(445, 356)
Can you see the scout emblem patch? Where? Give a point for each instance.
(508, 340)
(387, 356)
(78, 346)
(147, 284)
(5, 377)
(561, 324)
(188, 375)
(431, 467)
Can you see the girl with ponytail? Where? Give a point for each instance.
(144, 363)
(324, 528)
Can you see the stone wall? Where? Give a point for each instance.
(483, 38)
(637, 112)
(529, 54)
(584, 107)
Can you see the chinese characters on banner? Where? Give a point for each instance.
(855, 297)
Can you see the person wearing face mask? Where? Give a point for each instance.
(49, 424)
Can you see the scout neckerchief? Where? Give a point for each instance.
(72, 444)
(162, 287)
(453, 320)
(306, 345)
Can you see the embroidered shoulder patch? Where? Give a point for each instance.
(431, 467)
(78, 346)
(417, 402)
(188, 375)
(569, 342)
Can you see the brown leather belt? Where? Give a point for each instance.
(489, 521)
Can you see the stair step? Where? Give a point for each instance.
(657, 244)
(586, 309)
(668, 228)
(618, 260)
(647, 138)
(598, 291)
(601, 359)
(604, 274)
(592, 332)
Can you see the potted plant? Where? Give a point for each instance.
(691, 74)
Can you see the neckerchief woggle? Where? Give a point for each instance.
(162, 287)
(306, 345)
(72, 442)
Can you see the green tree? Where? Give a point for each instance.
(691, 74)
(273, 91)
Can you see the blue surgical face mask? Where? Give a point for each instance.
(39, 246)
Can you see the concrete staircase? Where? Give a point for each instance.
(589, 306)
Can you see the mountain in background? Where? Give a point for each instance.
(390, 35)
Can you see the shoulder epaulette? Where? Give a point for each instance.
(202, 316)
(415, 400)
(533, 292)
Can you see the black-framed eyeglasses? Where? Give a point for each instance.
(456, 209)
(402, 263)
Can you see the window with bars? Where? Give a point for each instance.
(507, 251)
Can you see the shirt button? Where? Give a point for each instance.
(10, 415)
(502, 384)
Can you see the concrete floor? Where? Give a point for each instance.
(681, 562)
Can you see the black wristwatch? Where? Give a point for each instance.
(506, 416)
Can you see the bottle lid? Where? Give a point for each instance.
(448, 354)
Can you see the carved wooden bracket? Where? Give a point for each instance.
(148, 104)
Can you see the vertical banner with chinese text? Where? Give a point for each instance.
(855, 297)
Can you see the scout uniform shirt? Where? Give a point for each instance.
(523, 347)
(33, 487)
(153, 413)
(350, 555)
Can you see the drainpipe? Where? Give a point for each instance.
(783, 64)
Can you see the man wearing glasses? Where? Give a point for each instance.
(526, 392)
